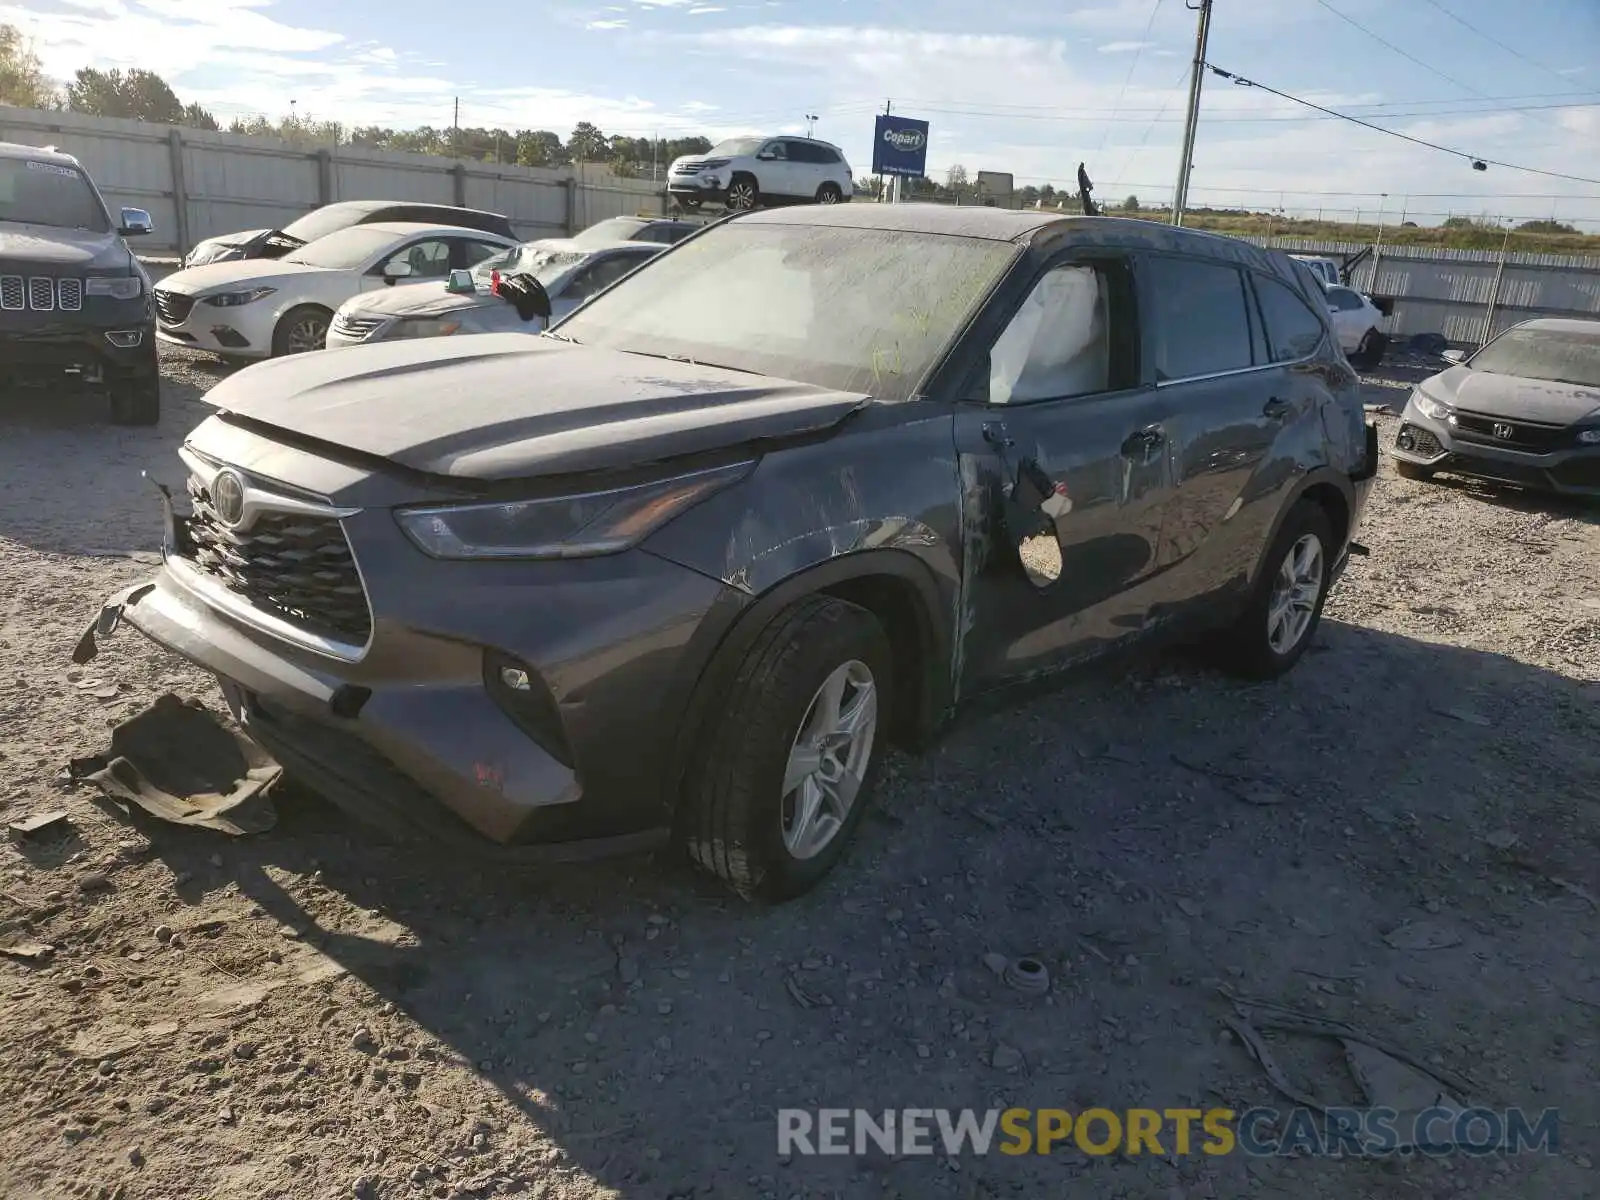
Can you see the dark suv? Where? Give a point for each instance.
(801, 485)
(75, 307)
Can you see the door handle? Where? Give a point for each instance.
(1275, 408)
(1142, 441)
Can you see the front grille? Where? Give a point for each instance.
(295, 567)
(172, 307)
(1525, 435)
(69, 294)
(42, 293)
(687, 169)
(13, 293)
(355, 327)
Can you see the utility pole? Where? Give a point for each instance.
(1377, 247)
(455, 130)
(1494, 287)
(1180, 196)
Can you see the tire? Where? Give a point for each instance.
(1253, 647)
(1369, 354)
(301, 330)
(1412, 471)
(738, 823)
(743, 194)
(136, 402)
(829, 193)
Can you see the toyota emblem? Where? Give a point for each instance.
(227, 497)
(1502, 430)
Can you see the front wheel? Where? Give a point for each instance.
(1369, 354)
(1283, 611)
(788, 768)
(743, 194)
(136, 402)
(301, 330)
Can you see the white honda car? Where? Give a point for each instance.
(570, 270)
(262, 308)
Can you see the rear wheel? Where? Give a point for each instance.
(829, 193)
(788, 767)
(1282, 614)
(301, 330)
(1369, 353)
(743, 194)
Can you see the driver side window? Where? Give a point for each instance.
(427, 260)
(1058, 344)
(775, 150)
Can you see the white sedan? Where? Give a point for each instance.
(570, 270)
(262, 308)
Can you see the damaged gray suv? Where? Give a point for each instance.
(685, 566)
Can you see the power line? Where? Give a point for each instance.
(1466, 24)
(1150, 128)
(996, 105)
(1086, 115)
(1402, 53)
(1243, 82)
(1128, 78)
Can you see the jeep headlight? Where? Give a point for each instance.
(237, 299)
(118, 287)
(572, 526)
(423, 327)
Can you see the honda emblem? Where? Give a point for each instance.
(1502, 430)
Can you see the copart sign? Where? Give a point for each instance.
(899, 146)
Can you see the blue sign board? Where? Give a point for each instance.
(899, 146)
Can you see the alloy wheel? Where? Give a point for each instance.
(741, 195)
(829, 759)
(306, 334)
(1295, 592)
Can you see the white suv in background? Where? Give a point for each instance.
(753, 172)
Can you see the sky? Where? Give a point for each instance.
(1030, 87)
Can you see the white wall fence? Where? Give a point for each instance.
(196, 184)
(1466, 295)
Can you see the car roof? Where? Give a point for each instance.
(573, 246)
(366, 206)
(1560, 325)
(37, 154)
(1029, 226)
(408, 228)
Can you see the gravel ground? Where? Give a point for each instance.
(313, 1014)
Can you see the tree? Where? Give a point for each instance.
(956, 177)
(1546, 225)
(540, 148)
(137, 95)
(587, 143)
(1131, 204)
(22, 78)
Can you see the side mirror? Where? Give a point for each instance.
(1454, 356)
(396, 270)
(525, 294)
(766, 156)
(461, 283)
(136, 223)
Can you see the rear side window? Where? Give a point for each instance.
(1199, 317)
(1293, 330)
(1343, 299)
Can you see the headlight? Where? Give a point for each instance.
(1429, 407)
(580, 526)
(1589, 437)
(235, 299)
(124, 287)
(423, 327)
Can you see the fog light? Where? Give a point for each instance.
(125, 339)
(1405, 441)
(516, 679)
(1589, 437)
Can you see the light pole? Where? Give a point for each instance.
(811, 120)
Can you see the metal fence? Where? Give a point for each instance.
(197, 184)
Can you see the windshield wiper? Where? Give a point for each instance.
(693, 362)
(562, 337)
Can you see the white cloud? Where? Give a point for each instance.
(1124, 47)
(613, 24)
(705, 8)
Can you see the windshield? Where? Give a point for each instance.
(41, 193)
(735, 148)
(860, 310)
(1555, 355)
(617, 229)
(319, 224)
(530, 258)
(346, 250)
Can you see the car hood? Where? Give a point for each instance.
(48, 246)
(195, 281)
(510, 405)
(417, 299)
(1513, 396)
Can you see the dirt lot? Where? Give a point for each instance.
(312, 1014)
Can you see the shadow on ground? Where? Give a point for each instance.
(1150, 835)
